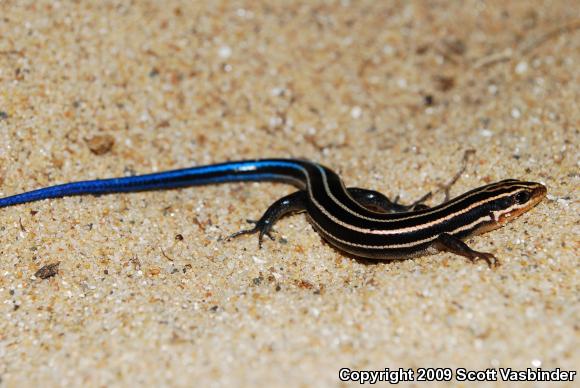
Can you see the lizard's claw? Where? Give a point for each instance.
(262, 227)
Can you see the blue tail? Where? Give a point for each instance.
(276, 170)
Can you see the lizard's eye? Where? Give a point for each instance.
(522, 197)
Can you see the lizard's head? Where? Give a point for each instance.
(510, 198)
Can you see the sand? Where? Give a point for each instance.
(389, 94)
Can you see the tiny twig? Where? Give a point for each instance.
(447, 187)
(164, 255)
(492, 59)
(548, 36)
(508, 54)
(22, 228)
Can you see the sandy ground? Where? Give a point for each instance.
(389, 94)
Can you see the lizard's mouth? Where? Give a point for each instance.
(500, 218)
(538, 193)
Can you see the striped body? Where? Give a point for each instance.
(335, 214)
